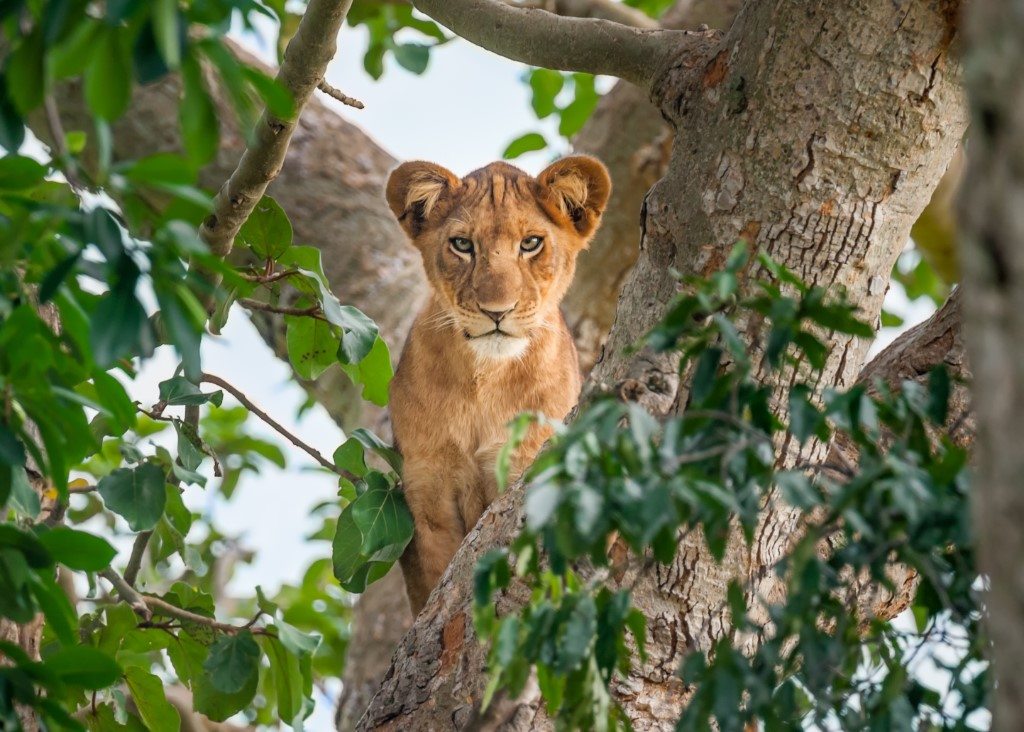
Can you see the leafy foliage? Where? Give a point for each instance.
(385, 22)
(101, 264)
(619, 477)
(571, 98)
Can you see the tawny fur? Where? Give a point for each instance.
(456, 387)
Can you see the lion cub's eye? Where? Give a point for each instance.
(461, 245)
(531, 244)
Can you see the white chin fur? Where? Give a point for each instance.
(499, 347)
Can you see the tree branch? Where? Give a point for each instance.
(313, 311)
(277, 426)
(601, 9)
(144, 605)
(540, 38)
(302, 70)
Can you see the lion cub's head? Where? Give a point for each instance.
(499, 246)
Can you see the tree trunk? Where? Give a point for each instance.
(814, 131)
(992, 263)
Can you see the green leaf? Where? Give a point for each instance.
(137, 494)
(187, 656)
(159, 168)
(278, 99)
(267, 231)
(118, 325)
(312, 345)
(151, 701)
(374, 372)
(349, 456)
(200, 127)
(413, 56)
(217, 705)
(108, 81)
(578, 634)
(182, 317)
(61, 618)
(360, 332)
(233, 662)
(546, 85)
(372, 442)
(180, 391)
(12, 127)
(165, 31)
(345, 555)
(78, 549)
(25, 74)
(83, 666)
(578, 111)
(23, 499)
(284, 668)
(18, 173)
(382, 516)
(523, 144)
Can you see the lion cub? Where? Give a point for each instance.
(499, 249)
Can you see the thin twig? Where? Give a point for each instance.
(313, 311)
(280, 429)
(272, 277)
(127, 593)
(335, 93)
(131, 571)
(59, 145)
(145, 605)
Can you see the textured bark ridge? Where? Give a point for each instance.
(992, 263)
(814, 131)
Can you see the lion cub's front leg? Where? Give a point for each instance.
(433, 483)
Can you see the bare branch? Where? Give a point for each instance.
(144, 605)
(313, 311)
(131, 570)
(336, 93)
(277, 426)
(540, 38)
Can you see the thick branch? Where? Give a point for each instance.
(540, 38)
(602, 9)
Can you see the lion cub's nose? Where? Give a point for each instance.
(497, 315)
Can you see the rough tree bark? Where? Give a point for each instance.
(814, 131)
(992, 263)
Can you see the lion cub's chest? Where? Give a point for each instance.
(482, 406)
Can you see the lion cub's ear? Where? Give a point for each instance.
(577, 186)
(414, 190)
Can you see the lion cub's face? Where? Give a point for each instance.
(499, 246)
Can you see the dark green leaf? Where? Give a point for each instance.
(84, 666)
(233, 661)
(267, 231)
(78, 549)
(137, 494)
(148, 693)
